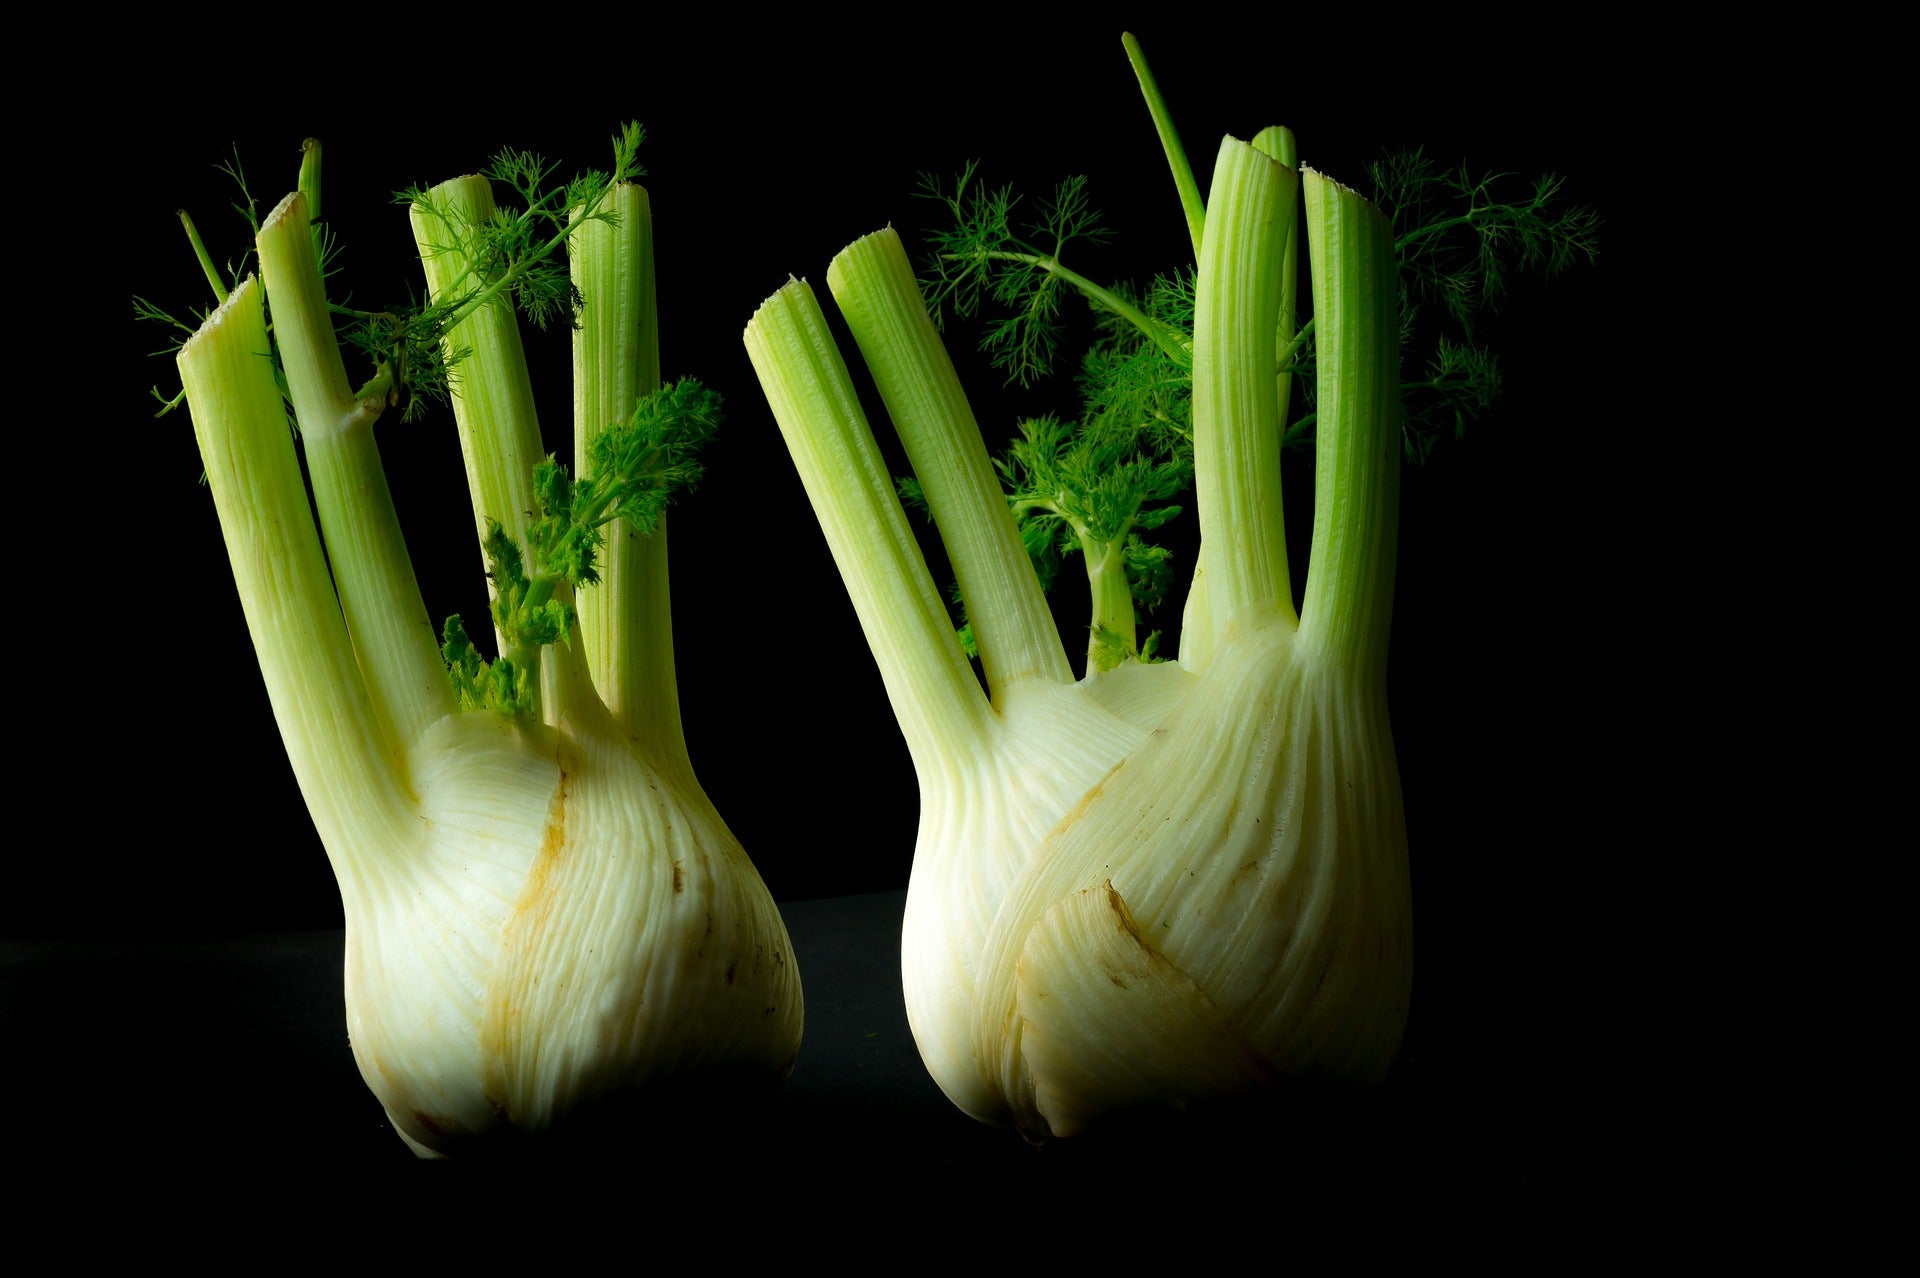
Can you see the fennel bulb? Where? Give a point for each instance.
(550, 930)
(1164, 884)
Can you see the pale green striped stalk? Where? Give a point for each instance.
(550, 931)
(626, 621)
(875, 287)
(1166, 884)
(399, 656)
(333, 734)
(492, 394)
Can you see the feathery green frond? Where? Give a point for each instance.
(1462, 239)
(981, 257)
(517, 255)
(1461, 242)
(635, 468)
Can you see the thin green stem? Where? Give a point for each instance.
(1295, 344)
(873, 282)
(200, 253)
(1469, 218)
(541, 587)
(1113, 612)
(1165, 336)
(1183, 180)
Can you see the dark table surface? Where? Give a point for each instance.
(137, 1052)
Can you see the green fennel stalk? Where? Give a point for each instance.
(552, 937)
(1166, 884)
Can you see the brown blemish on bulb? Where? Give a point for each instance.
(536, 899)
(1088, 799)
(1124, 917)
(529, 919)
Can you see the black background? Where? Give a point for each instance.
(1556, 702)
